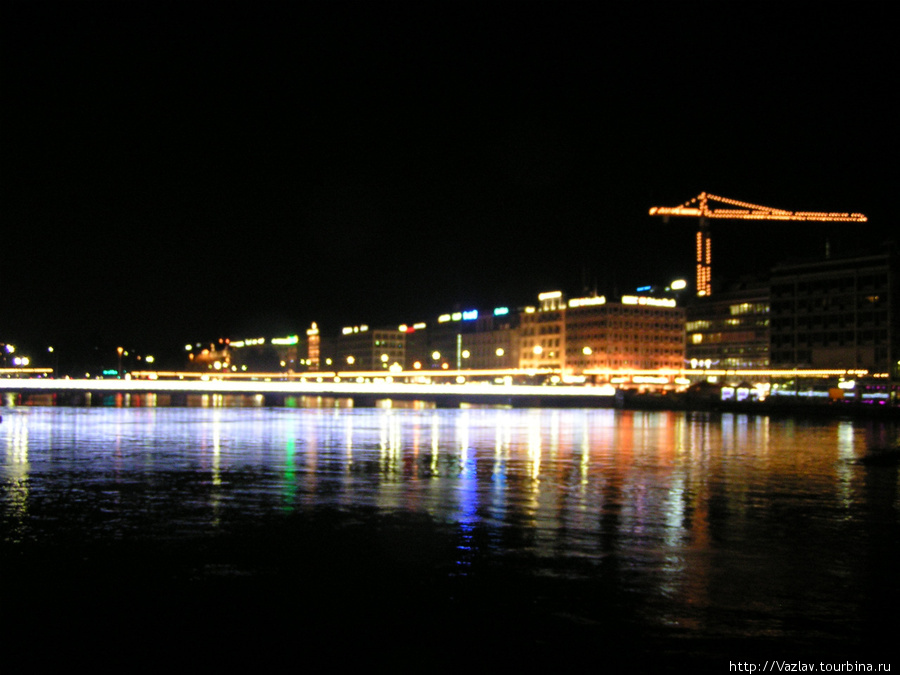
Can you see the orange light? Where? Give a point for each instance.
(698, 207)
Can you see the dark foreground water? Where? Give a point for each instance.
(526, 539)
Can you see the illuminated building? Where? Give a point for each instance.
(449, 340)
(542, 334)
(288, 351)
(583, 334)
(837, 313)
(213, 356)
(495, 341)
(257, 354)
(730, 330)
(362, 348)
(639, 332)
(417, 351)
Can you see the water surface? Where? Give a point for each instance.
(663, 538)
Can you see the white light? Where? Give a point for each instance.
(216, 385)
(650, 302)
(679, 284)
(587, 302)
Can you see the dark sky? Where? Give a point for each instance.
(178, 171)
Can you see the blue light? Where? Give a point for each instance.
(470, 315)
(644, 288)
(500, 311)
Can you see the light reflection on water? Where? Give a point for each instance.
(703, 525)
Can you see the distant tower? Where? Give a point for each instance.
(312, 341)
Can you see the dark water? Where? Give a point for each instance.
(424, 538)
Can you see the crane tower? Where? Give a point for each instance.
(736, 210)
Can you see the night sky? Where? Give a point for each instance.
(181, 171)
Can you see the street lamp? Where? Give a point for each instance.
(51, 350)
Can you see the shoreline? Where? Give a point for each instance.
(771, 407)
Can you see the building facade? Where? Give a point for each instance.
(363, 348)
(581, 335)
(636, 333)
(542, 333)
(837, 313)
(729, 329)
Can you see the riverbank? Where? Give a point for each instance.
(782, 407)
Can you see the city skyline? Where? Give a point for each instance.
(185, 172)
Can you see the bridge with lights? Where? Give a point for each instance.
(276, 389)
(518, 388)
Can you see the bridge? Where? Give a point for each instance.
(276, 392)
(518, 388)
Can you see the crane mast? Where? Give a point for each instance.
(698, 207)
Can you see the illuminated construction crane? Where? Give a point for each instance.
(699, 207)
